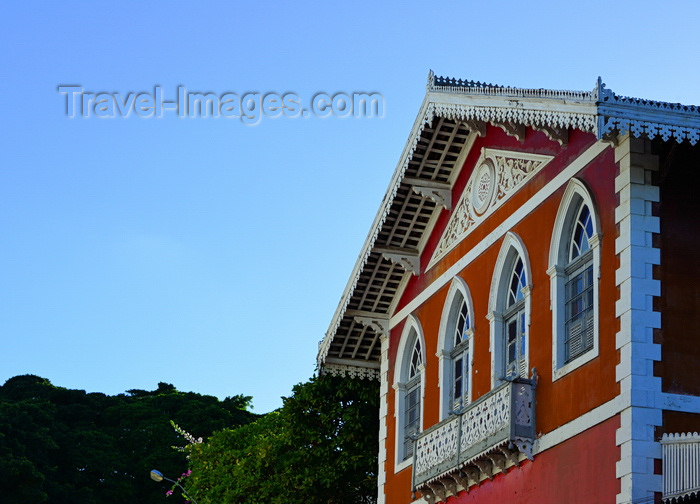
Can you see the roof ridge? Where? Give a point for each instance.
(462, 86)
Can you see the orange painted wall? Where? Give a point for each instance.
(579, 391)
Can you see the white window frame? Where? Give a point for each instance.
(457, 292)
(512, 248)
(575, 195)
(412, 331)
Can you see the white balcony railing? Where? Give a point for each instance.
(492, 429)
(681, 464)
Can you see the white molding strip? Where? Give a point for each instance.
(666, 401)
(575, 427)
(383, 417)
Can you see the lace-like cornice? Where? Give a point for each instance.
(527, 117)
(351, 371)
(646, 117)
(612, 113)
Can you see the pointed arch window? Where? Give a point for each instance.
(582, 234)
(412, 403)
(579, 289)
(409, 389)
(515, 326)
(455, 348)
(509, 311)
(461, 362)
(574, 269)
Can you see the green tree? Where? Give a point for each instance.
(319, 448)
(26, 449)
(65, 446)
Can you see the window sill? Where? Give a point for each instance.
(574, 364)
(403, 465)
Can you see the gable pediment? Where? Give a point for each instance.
(497, 175)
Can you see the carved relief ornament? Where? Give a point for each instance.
(497, 175)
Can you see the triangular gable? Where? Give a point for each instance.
(498, 174)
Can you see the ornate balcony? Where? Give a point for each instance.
(487, 436)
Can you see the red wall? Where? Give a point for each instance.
(579, 471)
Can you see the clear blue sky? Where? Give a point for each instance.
(211, 254)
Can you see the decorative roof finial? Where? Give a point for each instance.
(601, 93)
(431, 81)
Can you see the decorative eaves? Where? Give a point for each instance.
(510, 107)
(414, 194)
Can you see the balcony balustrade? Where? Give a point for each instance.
(681, 466)
(486, 436)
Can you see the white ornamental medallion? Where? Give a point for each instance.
(482, 190)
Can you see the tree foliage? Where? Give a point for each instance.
(66, 446)
(319, 448)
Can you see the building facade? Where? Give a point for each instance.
(526, 296)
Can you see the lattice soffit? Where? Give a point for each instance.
(475, 119)
(397, 180)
